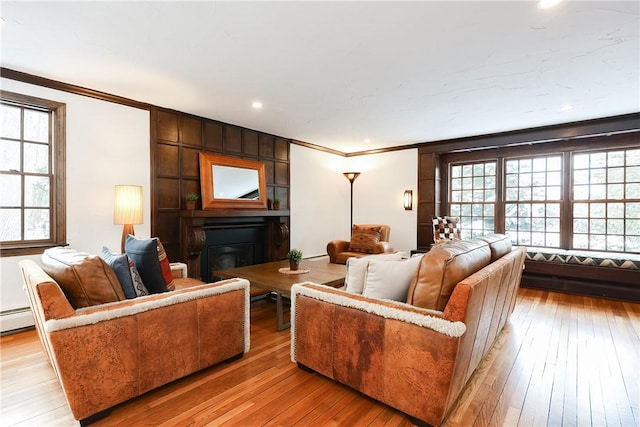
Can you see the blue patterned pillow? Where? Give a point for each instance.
(126, 272)
(144, 253)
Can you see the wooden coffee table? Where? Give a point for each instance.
(266, 276)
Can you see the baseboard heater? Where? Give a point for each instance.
(15, 319)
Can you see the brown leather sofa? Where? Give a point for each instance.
(339, 250)
(108, 353)
(414, 357)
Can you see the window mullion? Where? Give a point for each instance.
(566, 219)
(499, 213)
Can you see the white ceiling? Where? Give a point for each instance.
(334, 73)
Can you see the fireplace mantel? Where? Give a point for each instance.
(231, 213)
(194, 224)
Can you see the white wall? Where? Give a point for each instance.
(107, 144)
(378, 191)
(320, 197)
(319, 200)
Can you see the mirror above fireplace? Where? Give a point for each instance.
(232, 183)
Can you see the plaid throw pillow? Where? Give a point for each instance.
(364, 239)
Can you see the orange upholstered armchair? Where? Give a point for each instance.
(366, 239)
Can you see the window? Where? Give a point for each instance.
(473, 197)
(566, 196)
(533, 195)
(32, 148)
(606, 200)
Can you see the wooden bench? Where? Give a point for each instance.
(605, 274)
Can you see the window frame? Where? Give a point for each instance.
(496, 189)
(58, 234)
(566, 149)
(532, 201)
(607, 200)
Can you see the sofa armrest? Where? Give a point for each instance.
(383, 248)
(179, 270)
(55, 304)
(400, 355)
(335, 247)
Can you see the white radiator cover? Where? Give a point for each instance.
(19, 318)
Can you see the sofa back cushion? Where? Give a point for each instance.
(390, 279)
(357, 270)
(86, 280)
(442, 268)
(499, 244)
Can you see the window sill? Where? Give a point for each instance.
(36, 249)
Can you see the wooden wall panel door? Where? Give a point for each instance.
(282, 149)
(191, 131)
(282, 173)
(232, 140)
(168, 193)
(166, 221)
(166, 126)
(266, 146)
(190, 163)
(250, 143)
(269, 171)
(213, 136)
(166, 157)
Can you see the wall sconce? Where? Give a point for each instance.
(407, 200)
(127, 209)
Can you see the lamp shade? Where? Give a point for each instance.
(128, 205)
(351, 176)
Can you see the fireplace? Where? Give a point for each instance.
(219, 239)
(231, 246)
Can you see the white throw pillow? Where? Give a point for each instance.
(357, 267)
(390, 279)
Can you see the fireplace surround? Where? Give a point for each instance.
(219, 239)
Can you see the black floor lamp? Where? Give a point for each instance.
(351, 176)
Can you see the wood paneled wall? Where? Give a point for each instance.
(176, 140)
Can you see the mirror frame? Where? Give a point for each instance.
(207, 161)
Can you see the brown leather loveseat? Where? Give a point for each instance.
(108, 353)
(415, 356)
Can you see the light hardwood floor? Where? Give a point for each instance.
(562, 360)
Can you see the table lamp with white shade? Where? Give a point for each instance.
(127, 209)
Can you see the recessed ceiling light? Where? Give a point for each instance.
(546, 4)
(257, 105)
(566, 107)
(367, 140)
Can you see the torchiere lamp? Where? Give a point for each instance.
(127, 209)
(351, 176)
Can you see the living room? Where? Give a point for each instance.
(110, 143)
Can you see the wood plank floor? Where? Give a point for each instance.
(562, 360)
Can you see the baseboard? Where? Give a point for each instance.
(16, 319)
